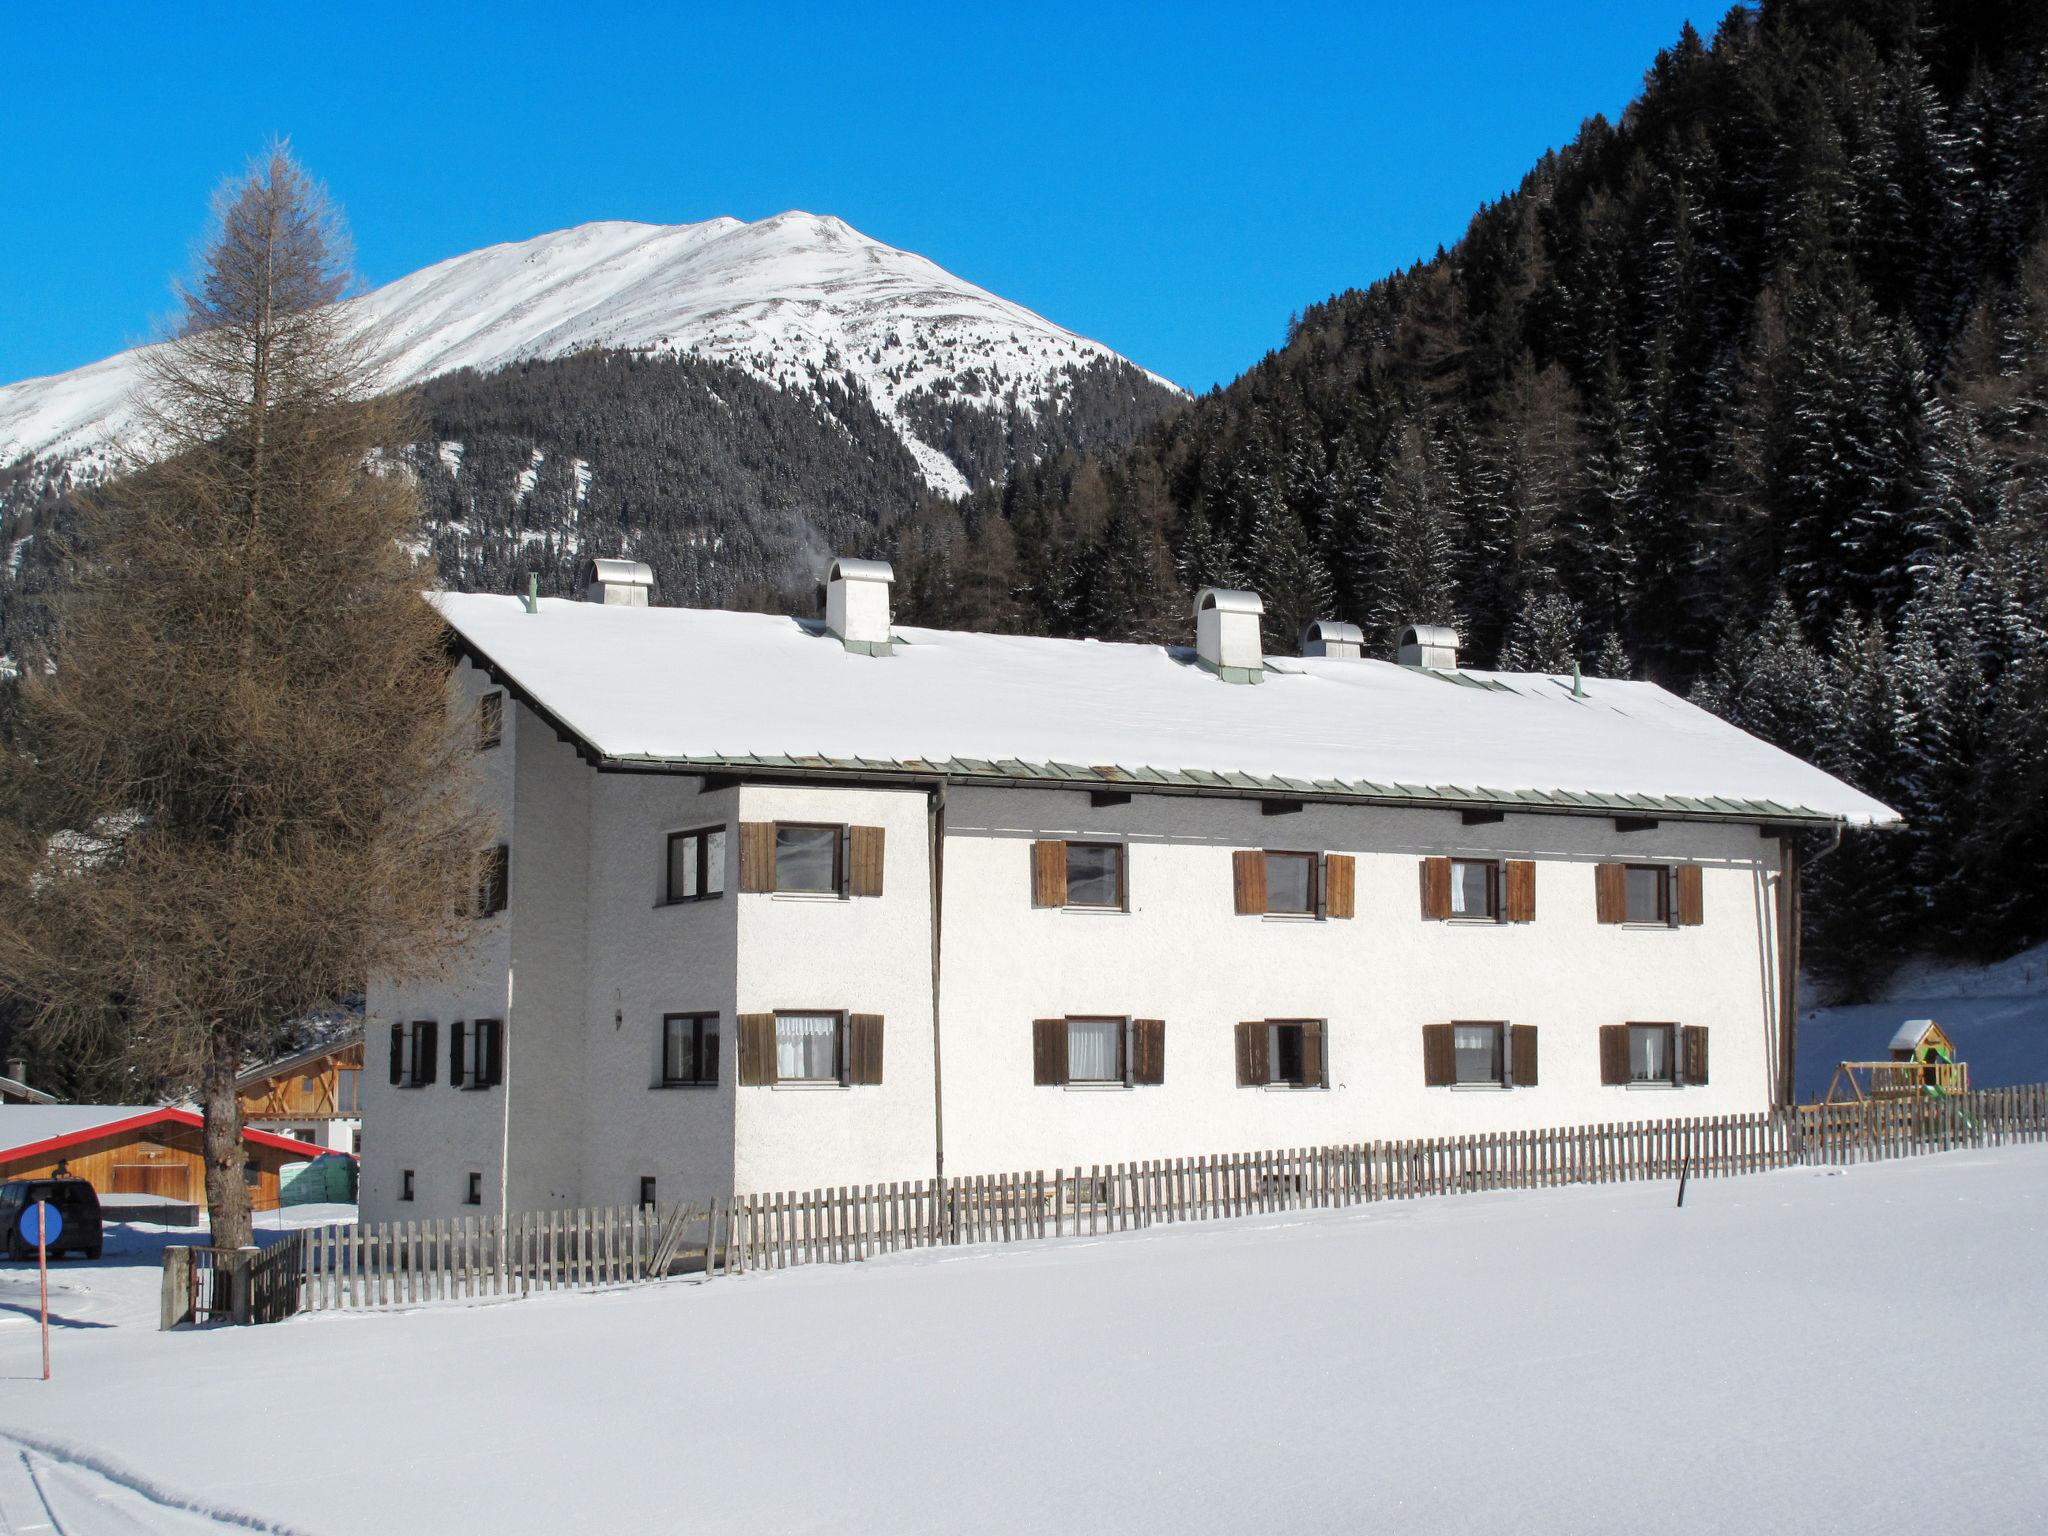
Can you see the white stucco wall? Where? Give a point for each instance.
(1183, 955)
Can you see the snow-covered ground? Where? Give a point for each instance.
(1813, 1350)
(1996, 1014)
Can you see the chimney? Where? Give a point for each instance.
(18, 1070)
(617, 583)
(1227, 634)
(1429, 645)
(857, 604)
(1332, 638)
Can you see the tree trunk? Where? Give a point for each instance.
(227, 1193)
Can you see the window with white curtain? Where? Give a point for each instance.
(1478, 1052)
(1651, 1057)
(1095, 1050)
(807, 1047)
(1646, 887)
(1473, 886)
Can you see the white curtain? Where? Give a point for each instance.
(807, 1047)
(1471, 889)
(1095, 1051)
(714, 862)
(1650, 1055)
(1478, 1053)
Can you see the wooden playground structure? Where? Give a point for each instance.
(1922, 1065)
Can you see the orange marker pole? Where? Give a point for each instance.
(43, 1278)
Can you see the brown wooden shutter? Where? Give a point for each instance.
(426, 1051)
(1614, 1054)
(1691, 903)
(864, 1031)
(397, 1054)
(1610, 893)
(490, 1045)
(456, 1041)
(1048, 1052)
(1521, 902)
(1436, 889)
(757, 857)
(1148, 1054)
(757, 1045)
(1314, 1067)
(1254, 1067)
(1049, 873)
(1248, 880)
(1340, 884)
(1522, 1041)
(1693, 1054)
(865, 861)
(1439, 1058)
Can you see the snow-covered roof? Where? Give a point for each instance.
(707, 690)
(23, 1124)
(1909, 1034)
(21, 1090)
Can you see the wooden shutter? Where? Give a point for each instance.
(1314, 1069)
(490, 1048)
(1610, 893)
(864, 1039)
(456, 1040)
(1439, 1057)
(1522, 1057)
(397, 1054)
(426, 1052)
(1521, 895)
(1340, 884)
(1049, 873)
(707, 1053)
(757, 856)
(1690, 906)
(1614, 1054)
(1254, 1059)
(1148, 1051)
(1048, 1052)
(757, 1044)
(1248, 880)
(1436, 889)
(864, 847)
(1692, 1054)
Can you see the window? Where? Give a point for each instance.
(348, 1091)
(1477, 1052)
(412, 1053)
(405, 1184)
(302, 1133)
(1282, 1053)
(1475, 886)
(474, 1195)
(696, 865)
(1652, 1053)
(1647, 894)
(1286, 1054)
(689, 1050)
(356, 1141)
(807, 1047)
(1291, 883)
(1095, 1050)
(647, 1191)
(807, 858)
(490, 720)
(494, 881)
(476, 1054)
(1095, 875)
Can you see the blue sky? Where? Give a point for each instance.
(1173, 180)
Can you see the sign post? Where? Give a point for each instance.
(42, 1224)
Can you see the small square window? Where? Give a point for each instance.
(807, 858)
(647, 1191)
(405, 1184)
(1652, 1053)
(1291, 883)
(490, 720)
(1477, 1050)
(1475, 888)
(696, 864)
(1095, 875)
(689, 1050)
(1095, 1050)
(474, 1194)
(494, 881)
(807, 1047)
(1648, 891)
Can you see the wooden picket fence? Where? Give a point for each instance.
(410, 1263)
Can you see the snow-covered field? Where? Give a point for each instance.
(1806, 1351)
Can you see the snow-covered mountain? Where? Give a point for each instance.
(786, 299)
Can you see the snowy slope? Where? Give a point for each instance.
(782, 298)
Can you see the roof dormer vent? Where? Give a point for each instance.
(619, 583)
(1333, 638)
(1429, 645)
(857, 604)
(1227, 634)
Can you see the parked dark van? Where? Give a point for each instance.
(73, 1199)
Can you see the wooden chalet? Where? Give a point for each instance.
(133, 1154)
(313, 1097)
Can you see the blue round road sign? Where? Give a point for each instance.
(53, 1222)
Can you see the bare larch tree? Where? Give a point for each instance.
(242, 788)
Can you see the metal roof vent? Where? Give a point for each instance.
(1429, 645)
(620, 583)
(1333, 638)
(1227, 634)
(857, 604)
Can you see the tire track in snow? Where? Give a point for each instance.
(83, 1494)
